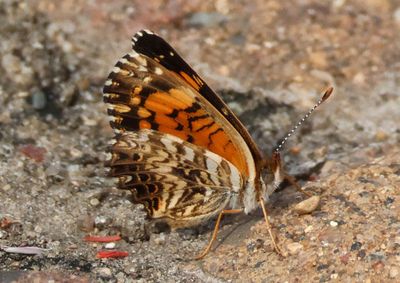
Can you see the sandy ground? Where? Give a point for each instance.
(270, 60)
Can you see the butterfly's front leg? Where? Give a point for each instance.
(271, 234)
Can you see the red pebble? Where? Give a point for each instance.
(111, 254)
(5, 223)
(102, 239)
(34, 152)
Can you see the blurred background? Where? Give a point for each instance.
(270, 60)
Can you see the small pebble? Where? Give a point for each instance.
(38, 229)
(378, 266)
(359, 78)
(86, 223)
(100, 220)
(94, 202)
(104, 272)
(307, 206)
(160, 240)
(294, 248)
(334, 276)
(53, 169)
(38, 100)
(333, 224)
(381, 136)
(356, 246)
(110, 245)
(76, 153)
(295, 150)
(308, 229)
(394, 272)
(6, 187)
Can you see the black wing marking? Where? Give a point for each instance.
(150, 44)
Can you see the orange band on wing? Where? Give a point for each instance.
(143, 124)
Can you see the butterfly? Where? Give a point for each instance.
(178, 147)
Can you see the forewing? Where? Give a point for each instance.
(143, 94)
(152, 46)
(175, 180)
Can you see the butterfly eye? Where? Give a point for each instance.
(324, 97)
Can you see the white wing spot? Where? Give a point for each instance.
(168, 144)
(213, 156)
(142, 68)
(158, 71)
(147, 80)
(116, 70)
(175, 198)
(108, 82)
(133, 54)
(175, 139)
(212, 165)
(141, 60)
(127, 179)
(235, 178)
(189, 153)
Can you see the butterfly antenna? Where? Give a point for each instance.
(326, 95)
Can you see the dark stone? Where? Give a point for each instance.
(388, 201)
(322, 266)
(355, 246)
(361, 254)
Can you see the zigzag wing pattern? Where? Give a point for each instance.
(175, 180)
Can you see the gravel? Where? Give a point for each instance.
(270, 61)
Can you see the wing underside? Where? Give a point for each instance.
(144, 94)
(175, 180)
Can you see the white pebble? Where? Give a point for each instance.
(110, 246)
(94, 202)
(294, 248)
(394, 272)
(308, 229)
(307, 206)
(104, 271)
(333, 223)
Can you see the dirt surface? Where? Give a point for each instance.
(270, 60)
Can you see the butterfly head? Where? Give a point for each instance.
(274, 174)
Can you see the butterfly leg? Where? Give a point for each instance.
(293, 182)
(216, 228)
(271, 234)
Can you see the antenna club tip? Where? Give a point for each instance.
(327, 93)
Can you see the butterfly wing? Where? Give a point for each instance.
(175, 180)
(151, 45)
(147, 92)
